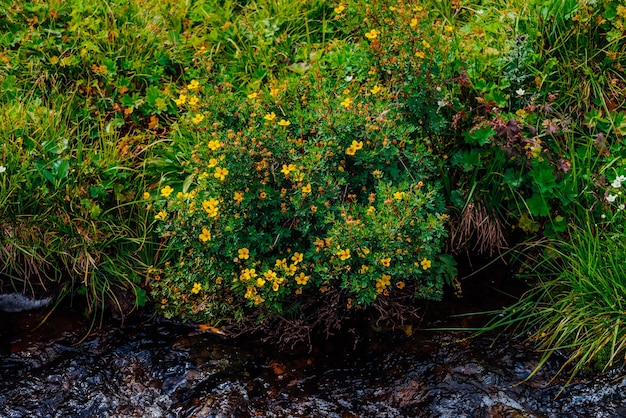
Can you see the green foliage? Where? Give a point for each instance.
(539, 102)
(577, 309)
(71, 141)
(320, 142)
(267, 211)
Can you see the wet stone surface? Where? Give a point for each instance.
(154, 368)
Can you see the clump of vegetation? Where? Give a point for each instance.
(279, 164)
(309, 196)
(333, 196)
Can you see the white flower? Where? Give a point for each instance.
(621, 179)
(621, 206)
(520, 92)
(611, 198)
(616, 183)
(349, 78)
(2, 169)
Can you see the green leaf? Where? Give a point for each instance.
(480, 136)
(513, 179)
(498, 97)
(538, 206)
(187, 182)
(141, 296)
(543, 177)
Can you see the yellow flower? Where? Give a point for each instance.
(413, 22)
(385, 261)
(288, 169)
(302, 279)
(420, 54)
(211, 203)
(270, 116)
(243, 253)
(260, 282)
(248, 274)
(297, 257)
(250, 292)
(252, 96)
(214, 144)
(274, 91)
(298, 291)
(399, 195)
(281, 263)
(193, 100)
(197, 287)
(448, 28)
(238, 197)
(340, 8)
(291, 270)
(426, 44)
(146, 195)
(376, 89)
(307, 188)
(205, 235)
(193, 85)
(270, 275)
(347, 102)
(373, 34)
(370, 210)
(382, 283)
(400, 285)
(198, 118)
(350, 151)
(357, 145)
(212, 162)
(166, 191)
(284, 122)
(181, 100)
(161, 215)
(343, 254)
(258, 300)
(426, 264)
(220, 173)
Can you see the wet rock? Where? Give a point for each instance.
(16, 302)
(154, 368)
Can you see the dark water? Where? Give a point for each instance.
(148, 367)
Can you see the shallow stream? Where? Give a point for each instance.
(149, 367)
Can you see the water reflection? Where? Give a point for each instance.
(154, 368)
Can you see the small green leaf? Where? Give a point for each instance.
(480, 136)
(538, 206)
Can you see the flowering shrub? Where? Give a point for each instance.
(298, 189)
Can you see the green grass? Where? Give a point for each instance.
(577, 308)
